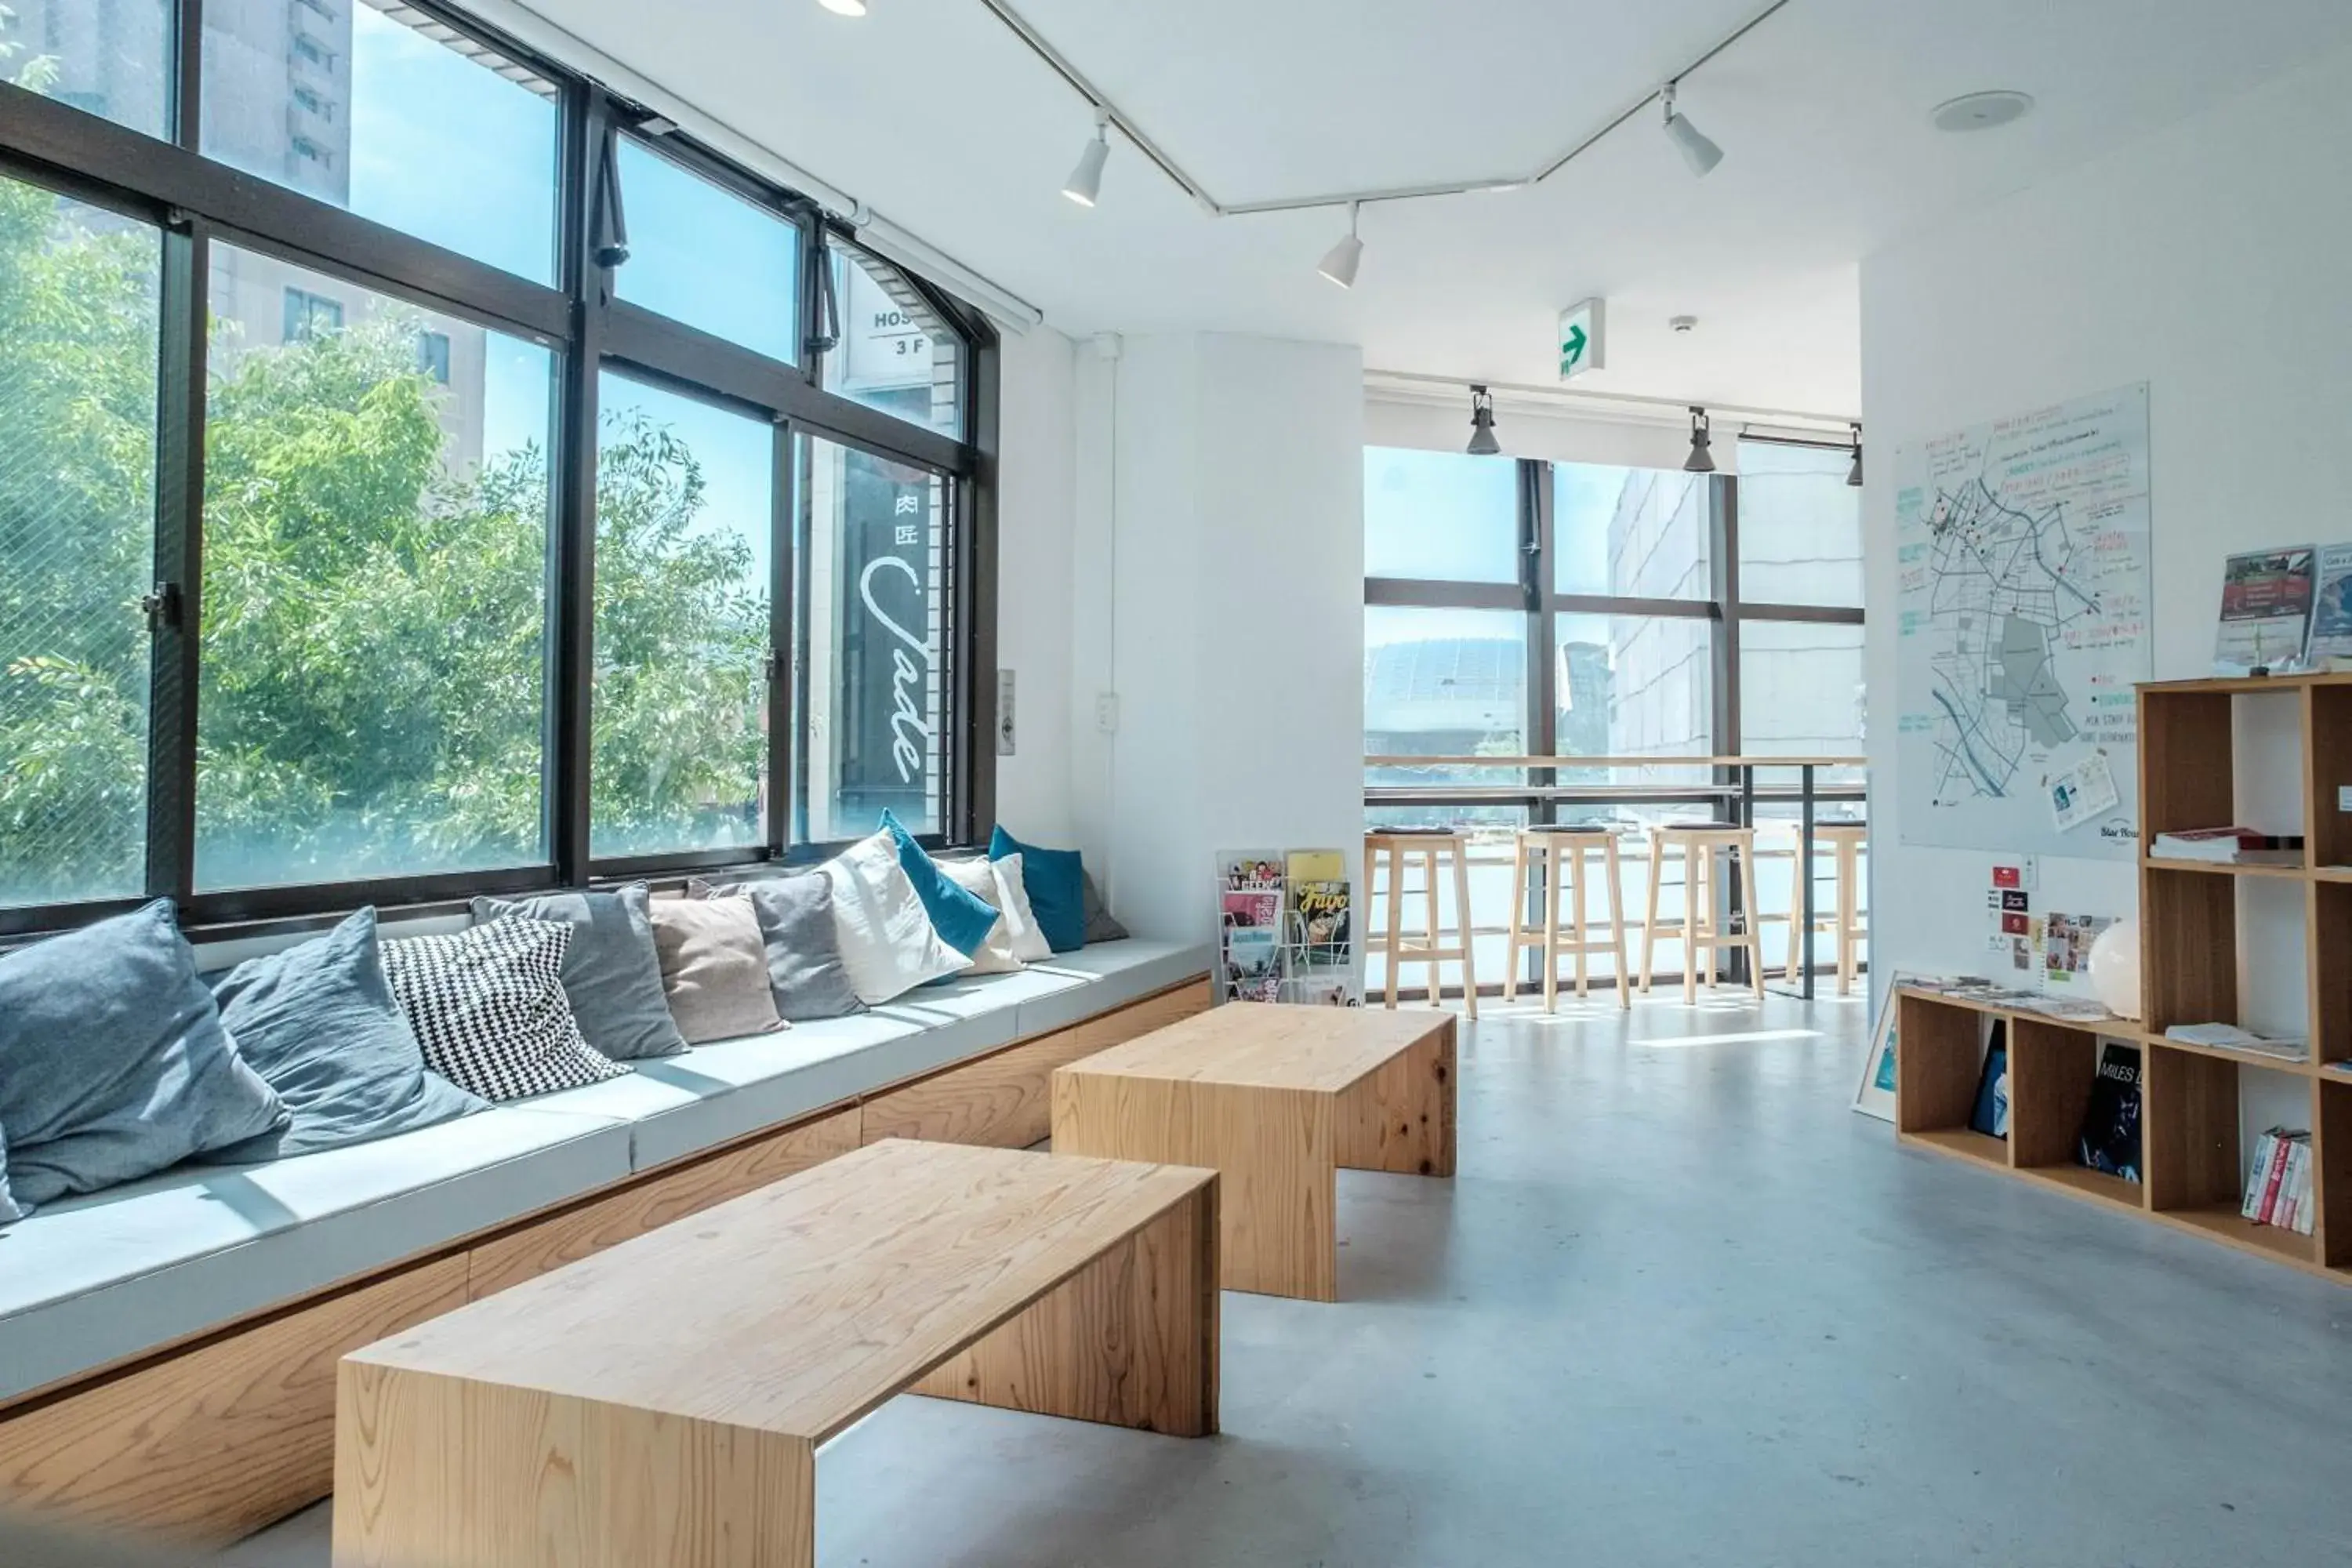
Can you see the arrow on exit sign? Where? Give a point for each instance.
(1579, 339)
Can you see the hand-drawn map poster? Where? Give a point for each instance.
(2024, 552)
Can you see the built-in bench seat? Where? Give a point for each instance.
(95, 1284)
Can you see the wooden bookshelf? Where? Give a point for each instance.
(2194, 962)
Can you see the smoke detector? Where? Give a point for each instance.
(1682, 323)
(1982, 111)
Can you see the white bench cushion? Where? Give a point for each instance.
(93, 1280)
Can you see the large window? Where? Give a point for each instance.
(708, 258)
(686, 508)
(378, 108)
(1640, 533)
(375, 587)
(873, 604)
(79, 315)
(896, 353)
(112, 61)
(368, 535)
(1440, 516)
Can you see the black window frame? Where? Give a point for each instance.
(52, 144)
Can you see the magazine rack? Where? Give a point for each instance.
(1307, 952)
(2194, 1149)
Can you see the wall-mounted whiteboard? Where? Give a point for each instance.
(2024, 557)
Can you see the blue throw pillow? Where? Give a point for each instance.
(113, 1063)
(317, 1022)
(1055, 881)
(8, 1209)
(961, 919)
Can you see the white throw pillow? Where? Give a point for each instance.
(887, 942)
(994, 956)
(1029, 943)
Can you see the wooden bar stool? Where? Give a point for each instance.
(1698, 842)
(1399, 847)
(1555, 855)
(1845, 917)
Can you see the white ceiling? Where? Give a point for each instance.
(933, 113)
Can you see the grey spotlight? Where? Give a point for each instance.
(1482, 424)
(1853, 475)
(1084, 183)
(1338, 263)
(1700, 461)
(1700, 153)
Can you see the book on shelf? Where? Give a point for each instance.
(2229, 1038)
(2229, 846)
(2278, 1184)
(2109, 1140)
(1990, 1116)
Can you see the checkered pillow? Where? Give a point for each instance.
(488, 1005)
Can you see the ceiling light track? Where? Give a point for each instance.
(1100, 103)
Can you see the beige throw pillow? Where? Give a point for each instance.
(714, 968)
(994, 956)
(1029, 943)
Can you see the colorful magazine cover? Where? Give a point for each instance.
(1253, 959)
(1250, 869)
(1324, 921)
(1253, 907)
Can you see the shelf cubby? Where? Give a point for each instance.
(2268, 948)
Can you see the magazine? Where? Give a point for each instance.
(1253, 960)
(1318, 989)
(2266, 598)
(1318, 866)
(2331, 611)
(2110, 1138)
(1323, 919)
(1253, 907)
(1250, 869)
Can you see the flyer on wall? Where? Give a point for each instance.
(2266, 597)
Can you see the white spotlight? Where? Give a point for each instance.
(844, 7)
(1084, 183)
(1700, 153)
(1338, 263)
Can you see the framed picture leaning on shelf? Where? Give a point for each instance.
(1875, 1095)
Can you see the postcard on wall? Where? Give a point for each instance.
(2266, 597)
(2066, 947)
(2331, 611)
(2083, 792)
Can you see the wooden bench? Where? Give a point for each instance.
(663, 1401)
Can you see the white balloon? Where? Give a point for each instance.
(2114, 969)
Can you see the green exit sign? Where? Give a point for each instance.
(1581, 330)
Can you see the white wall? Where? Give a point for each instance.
(2208, 260)
(1036, 523)
(1218, 569)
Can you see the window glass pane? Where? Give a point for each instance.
(1441, 515)
(112, 61)
(896, 353)
(1634, 532)
(1800, 691)
(377, 108)
(79, 307)
(1634, 686)
(873, 604)
(375, 572)
(684, 524)
(1444, 683)
(703, 255)
(1800, 526)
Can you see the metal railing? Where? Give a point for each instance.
(1732, 794)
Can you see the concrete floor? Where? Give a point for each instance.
(1680, 1306)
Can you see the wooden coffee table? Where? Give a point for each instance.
(663, 1401)
(1276, 1099)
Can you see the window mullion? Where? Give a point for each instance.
(782, 623)
(175, 608)
(572, 554)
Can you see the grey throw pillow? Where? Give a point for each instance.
(1101, 924)
(319, 1023)
(806, 973)
(113, 1063)
(611, 972)
(714, 968)
(8, 1209)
